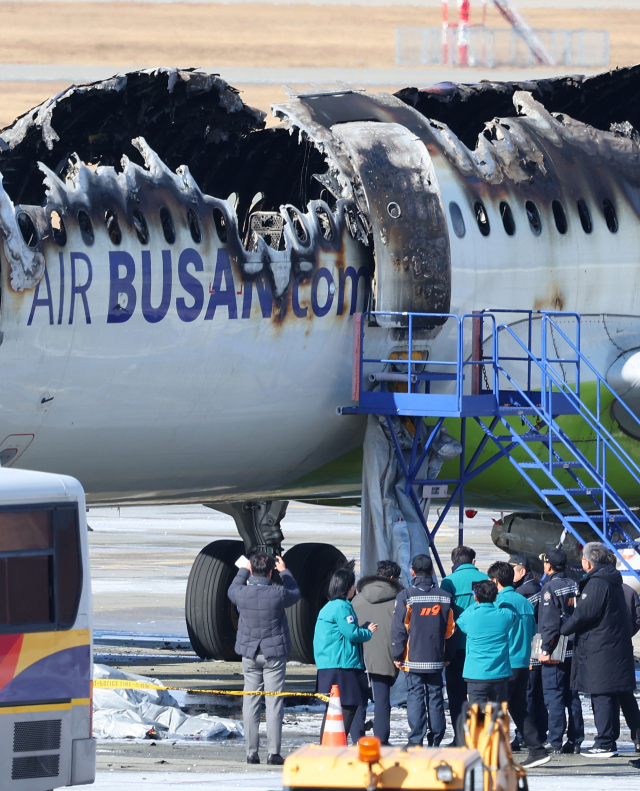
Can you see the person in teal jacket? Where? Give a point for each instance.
(487, 627)
(520, 638)
(337, 647)
(459, 583)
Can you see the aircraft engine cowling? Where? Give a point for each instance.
(624, 378)
(535, 534)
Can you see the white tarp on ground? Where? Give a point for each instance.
(134, 713)
(391, 529)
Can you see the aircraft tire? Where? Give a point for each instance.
(212, 620)
(312, 566)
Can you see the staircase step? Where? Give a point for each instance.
(556, 465)
(529, 436)
(577, 491)
(594, 518)
(517, 410)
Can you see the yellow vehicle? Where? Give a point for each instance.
(485, 764)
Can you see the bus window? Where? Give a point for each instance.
(40, 576)
(68, 564)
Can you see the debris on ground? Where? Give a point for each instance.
(151, 713)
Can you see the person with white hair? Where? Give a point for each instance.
(603, 664)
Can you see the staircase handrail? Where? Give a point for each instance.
(609, 440)
(547, 318)
(594, 420)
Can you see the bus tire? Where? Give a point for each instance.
(212, 620)
(312, 566)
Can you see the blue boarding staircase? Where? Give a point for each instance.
(498, 372)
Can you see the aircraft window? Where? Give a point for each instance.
(325, 223)
(610, 215)
(457, 220)
(194, 226)
(168, 228)
(481, 218)
(221, 224)
(533, 215)
(86, 227)
(559, 216)
(113, 227)
(28, 229)
(298, 224)
(507, 218)
(585, 216)
(58, 228)
(140, 224)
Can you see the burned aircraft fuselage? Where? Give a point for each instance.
(177, 310)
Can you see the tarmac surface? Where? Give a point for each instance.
(141, 558)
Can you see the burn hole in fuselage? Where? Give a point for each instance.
(273, 165)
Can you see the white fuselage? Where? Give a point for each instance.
(144, 392)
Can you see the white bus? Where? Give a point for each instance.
(45, 633)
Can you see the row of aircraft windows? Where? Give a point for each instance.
(533, 215)
(59, 231)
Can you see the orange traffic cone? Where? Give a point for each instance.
(334, 735)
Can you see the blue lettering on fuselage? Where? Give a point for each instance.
(123, 295)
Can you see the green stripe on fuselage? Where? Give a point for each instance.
(501, 486)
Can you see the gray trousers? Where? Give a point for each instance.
(268, 675)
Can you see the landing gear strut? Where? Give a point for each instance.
(212, 620)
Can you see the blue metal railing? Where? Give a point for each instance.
(414, 376)
(556, 395)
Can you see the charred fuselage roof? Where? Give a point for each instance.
(602, 101)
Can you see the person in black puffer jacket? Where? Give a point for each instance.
(375, 602)
(528, 586)
(603, 664)
(263, 642)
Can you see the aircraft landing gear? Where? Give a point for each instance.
(212, 620)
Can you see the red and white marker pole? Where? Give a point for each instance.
(463, 24)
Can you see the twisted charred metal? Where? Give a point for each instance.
(188, 115)
(376, 180)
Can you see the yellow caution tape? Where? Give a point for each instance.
(122, 683)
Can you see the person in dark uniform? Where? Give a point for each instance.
(422, 622)
(627, 700)
(557, 600)
(528, 586)
(603, 664)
